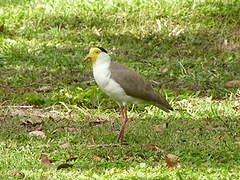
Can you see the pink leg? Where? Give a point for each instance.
(124, 119)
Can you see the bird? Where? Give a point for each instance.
(123, 84)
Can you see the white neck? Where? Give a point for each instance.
(103, 59)
(101, 71)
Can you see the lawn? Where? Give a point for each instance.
(55, 123)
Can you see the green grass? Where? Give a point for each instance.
(192, 48)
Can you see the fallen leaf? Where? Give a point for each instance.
(45, 161)
(30, 122)
(171, 161)
(1, 27)
(97, 156)
(236, 107)
(163, 69)
(17, 172)
(100, 157)
(232, 83)
(37, 133)
(64, 146)
(46, 88)
(151, 146)
(71, 129)
(63, 166)
(172, 156)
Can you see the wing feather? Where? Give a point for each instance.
(136, 86)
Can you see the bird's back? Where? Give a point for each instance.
(134, 85)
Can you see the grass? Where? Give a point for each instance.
(189, 48)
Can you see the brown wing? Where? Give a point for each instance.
(134, 85)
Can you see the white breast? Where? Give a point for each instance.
(102, 76)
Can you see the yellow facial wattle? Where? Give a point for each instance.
(92, 55)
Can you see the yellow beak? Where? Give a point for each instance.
(88, 58)
(92, 56)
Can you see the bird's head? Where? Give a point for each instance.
(94, 53)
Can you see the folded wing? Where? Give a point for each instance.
(134, 85)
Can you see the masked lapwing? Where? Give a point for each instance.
(123, 85)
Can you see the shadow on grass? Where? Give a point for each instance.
(198, 60)
(195, 61)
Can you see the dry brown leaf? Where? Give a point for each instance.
(45, 161)
(172, 156)
(37, 133)
(17, 172)
(171, 161)
(232, 83)
(100, 157)
(46, 88)
(163, 69)
(63, 166)
(71, 129)
(97, 156)
(30, 122)
(151, 146)
(1, 27)
(236, 107)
